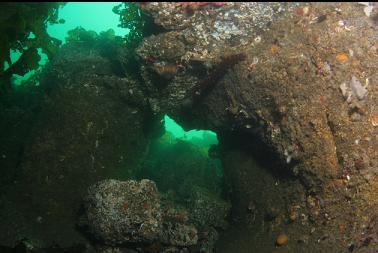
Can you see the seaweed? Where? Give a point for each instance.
(27, 62)
(140, 25)
(17, 22)
(79, 34)
(131, 18)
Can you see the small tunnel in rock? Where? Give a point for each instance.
(187, 170)
(180, 161)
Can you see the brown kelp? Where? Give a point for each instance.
(17, 22)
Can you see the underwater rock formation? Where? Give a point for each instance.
(192, 188)
(289, 88)
(91, 123)
(122, 212)
(207, 210)
(285, 96)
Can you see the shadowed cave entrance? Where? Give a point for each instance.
(180, 161)
(188, 173)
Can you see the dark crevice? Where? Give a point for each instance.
(263, 154)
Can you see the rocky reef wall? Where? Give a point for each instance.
(299, 79)
(289, 88)
(86, 128)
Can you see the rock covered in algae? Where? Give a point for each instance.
(124, 211)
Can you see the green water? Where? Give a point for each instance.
(91, 16)
(199, 137)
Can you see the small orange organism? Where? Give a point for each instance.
(274, 49)
(282, 239)
(342, 57)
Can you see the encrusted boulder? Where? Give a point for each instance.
(120, 212)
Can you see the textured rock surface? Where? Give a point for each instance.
(121, 213)
(289, 83)
(208, 210)
(86, 127)
(286, 95)
(177, 234)
(124, 212)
